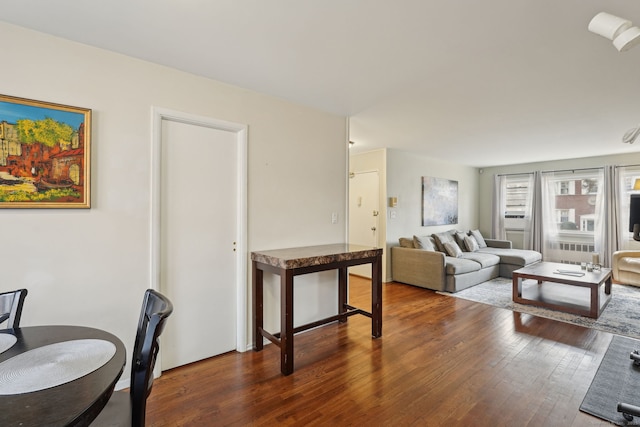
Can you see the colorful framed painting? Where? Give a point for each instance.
(439, 201)
(45, 152)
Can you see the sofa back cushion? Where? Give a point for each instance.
(406, 243)
(424, 242)
(459, 238)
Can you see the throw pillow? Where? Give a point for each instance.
(471, 243)
(424, 243)
(406, 243)
(459, 236)
(441, 239)
(453, 249)
(479, 238)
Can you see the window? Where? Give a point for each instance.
(565, 188)
(565, 216)
(589, 186)
(517, 193)
(571, 215)
(627, 176)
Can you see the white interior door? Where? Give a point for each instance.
(364, 213)
(198, 235)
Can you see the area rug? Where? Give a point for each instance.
(617, 380)
(621, 316)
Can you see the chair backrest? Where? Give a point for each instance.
(11, 308)
(155, 310)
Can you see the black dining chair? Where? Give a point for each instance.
(11, 308)
(129, 409)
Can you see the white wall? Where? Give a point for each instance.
(404, 181)
(91, 267)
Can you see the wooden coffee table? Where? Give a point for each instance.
(563, 292)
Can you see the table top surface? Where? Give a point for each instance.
(314, 255)
(562, 273)
(76, 402)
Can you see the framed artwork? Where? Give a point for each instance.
(439, 201)
(44, 154)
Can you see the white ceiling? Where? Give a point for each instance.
(480, 83)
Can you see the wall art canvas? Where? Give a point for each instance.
(439, 201)
(44, 154)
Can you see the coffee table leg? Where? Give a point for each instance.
(595, 301)
(517, 288)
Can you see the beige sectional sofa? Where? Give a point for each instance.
(454, 260)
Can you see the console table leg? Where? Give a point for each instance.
(376, 297)
(258, 296)
(342, 293)
(286, 322)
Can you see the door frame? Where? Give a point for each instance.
(157, 116)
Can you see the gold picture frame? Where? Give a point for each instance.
(45, 154)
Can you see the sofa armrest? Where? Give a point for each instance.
(418, 267)
(495, 243)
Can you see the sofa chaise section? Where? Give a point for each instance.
(510, 259)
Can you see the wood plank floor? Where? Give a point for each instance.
(441, 361)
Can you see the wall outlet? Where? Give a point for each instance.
(334, 218)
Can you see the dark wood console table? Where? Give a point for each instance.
(291, 262)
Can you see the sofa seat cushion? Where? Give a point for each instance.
(460, 265)
(484, 259)
(521, 257)
(630, 264)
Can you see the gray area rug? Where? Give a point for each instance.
(621, 316)
(617, 380)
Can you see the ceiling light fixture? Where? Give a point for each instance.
(621, 31)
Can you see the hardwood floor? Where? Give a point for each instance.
(441, 361)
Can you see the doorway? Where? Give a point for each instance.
(364, 213)
(198, 235)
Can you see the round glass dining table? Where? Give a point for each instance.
(47, 377)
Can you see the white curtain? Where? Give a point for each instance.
(549, 231)
(604, 199)
(499, 207)
(533, 215)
